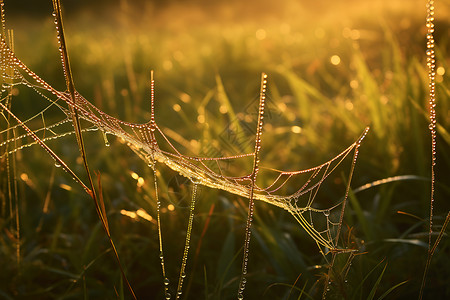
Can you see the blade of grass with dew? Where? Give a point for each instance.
(254, 174)
(431, 63)
(57, 13)
(187, 240)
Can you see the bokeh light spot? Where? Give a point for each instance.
(296, 129)
(201, 119)
(176, 107)
(223, 109)
(143, 214)
(335, 60)
(354, 84)
(320, 33)
(261, 34)
(140, 182)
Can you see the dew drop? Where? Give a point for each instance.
(166, 281)
(105, 138)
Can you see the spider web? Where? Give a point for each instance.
(150, 143)
(144, 139)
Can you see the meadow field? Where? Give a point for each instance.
(332, 70)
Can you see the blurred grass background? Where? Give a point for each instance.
(333, 69)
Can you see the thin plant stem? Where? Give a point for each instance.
(431, 64)
(78, 132)
(259, 125)
(187, 241)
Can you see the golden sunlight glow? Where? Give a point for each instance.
(24, 177)
(223, 109)
(185, 97)
(335, 60)
(261, 34)
(349, 33)
(140, 213)
(348, 104)
(176, 107)
(167, 65)
(440, 71)
(296, 129)
(144, 215)
(384, 99)
(194, 144)
(134, 175)
(319, 33)
(171, 207)
(282, 106)
(65, 187)
(129, 214)
(140, 182)
(354, 84)
(285, 28)
(201, 119)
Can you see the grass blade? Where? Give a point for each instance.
(391, 289)
(78, 132)
(377, 283)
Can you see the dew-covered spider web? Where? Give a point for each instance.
(321, 222)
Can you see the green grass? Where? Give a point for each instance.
(212, 66)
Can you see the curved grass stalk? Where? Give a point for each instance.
(98, 201)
